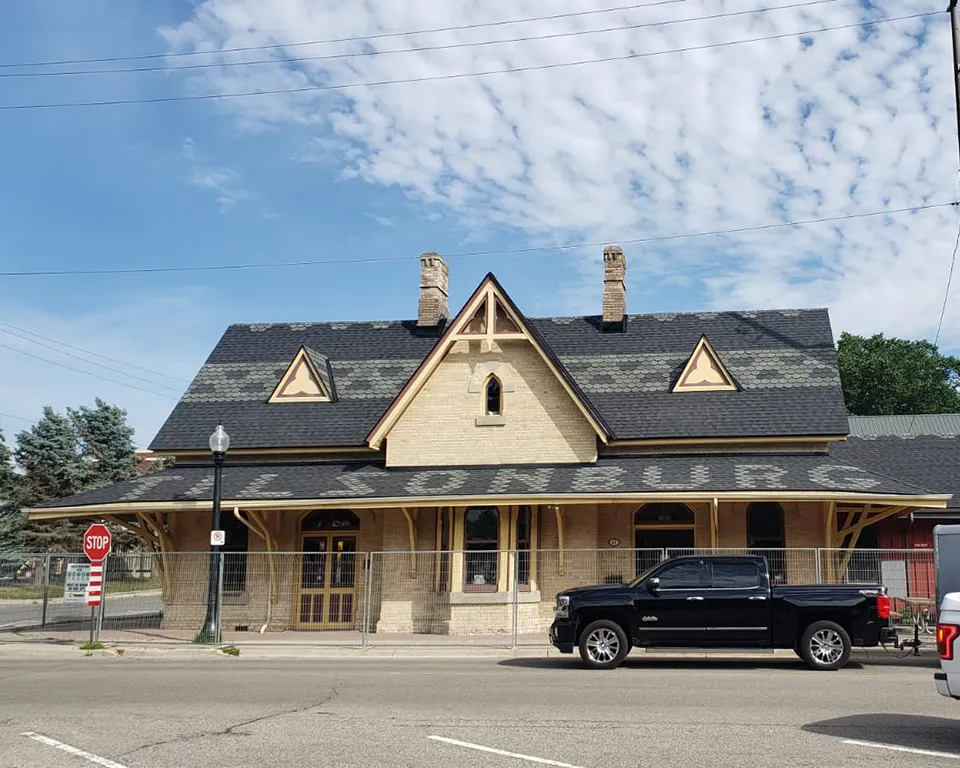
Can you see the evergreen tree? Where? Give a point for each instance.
(53, 467)
(11, 519)
(106, 441)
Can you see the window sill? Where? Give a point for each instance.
(235, 598)
(488, 598)
(491, 421)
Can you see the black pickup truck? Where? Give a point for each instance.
(723, 601)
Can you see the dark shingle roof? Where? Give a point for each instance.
(930, 457)
(784, 362)
(611, 475)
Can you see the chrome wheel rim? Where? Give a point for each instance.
(826, 646)
(603, 645)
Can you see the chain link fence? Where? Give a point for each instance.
(332, 596)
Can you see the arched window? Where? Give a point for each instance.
(493, 397)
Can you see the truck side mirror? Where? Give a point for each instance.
(653, 586)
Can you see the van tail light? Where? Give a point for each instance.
(883, 606)
(946, 635)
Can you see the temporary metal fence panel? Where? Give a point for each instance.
(332, 596)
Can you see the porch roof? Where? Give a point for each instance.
(627, 478)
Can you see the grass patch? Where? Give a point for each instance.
(230, 650)
(202, 638)
(35, 591)
(97, 646)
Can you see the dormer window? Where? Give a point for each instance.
(493, 394)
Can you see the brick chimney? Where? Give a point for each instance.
(434, 275)
(614, 286)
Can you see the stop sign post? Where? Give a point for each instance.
(96, 546)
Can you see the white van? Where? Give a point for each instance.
(948, 646)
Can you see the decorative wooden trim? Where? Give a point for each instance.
(907, 502)
(488, 291)
(300, 360)
(705, 350)
(412, 532)
(714, 521)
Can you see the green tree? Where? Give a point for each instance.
(106, 441)
(11, 519)
(53, 466)
(888, 376)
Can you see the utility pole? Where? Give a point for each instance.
(955, 30)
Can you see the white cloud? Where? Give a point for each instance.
(167, 334)
(854, 120)
(224, 182)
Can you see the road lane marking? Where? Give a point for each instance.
(895, 748)
(72, 750)
(492, 751)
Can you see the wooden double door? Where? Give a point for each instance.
(329, 569)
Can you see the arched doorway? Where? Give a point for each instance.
(661, 526)
(765, 537)
(328, 569)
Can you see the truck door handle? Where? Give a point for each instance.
(695, 598)
(758, 597)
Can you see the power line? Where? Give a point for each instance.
(89, 362)
(454, 76)
(471, 254)
(335, 40)
(88, 373)
(18, 418)
(946, 293)
(88, 352)
(420, 49)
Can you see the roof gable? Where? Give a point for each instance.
(306, 380)
(705, 372)
(489, 316)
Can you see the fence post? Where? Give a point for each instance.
(818, 568)
(367, 599)
(516, 597)
(219, 633)
(46, 590)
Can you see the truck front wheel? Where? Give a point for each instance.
(825, 645)
(603, 645)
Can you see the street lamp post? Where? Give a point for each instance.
(219, 443)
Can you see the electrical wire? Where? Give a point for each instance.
(335, 40)
(90, 362)
(12, 327)
(18, 418)
(421, 49)
(472, 254)
(88, 373)
(453, 76)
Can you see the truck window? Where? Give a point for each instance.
(682, 576)
(735, 576)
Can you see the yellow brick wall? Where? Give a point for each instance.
(542, 424)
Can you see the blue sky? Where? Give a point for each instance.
(839, 123)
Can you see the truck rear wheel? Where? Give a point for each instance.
(603, 645)
(825, 645)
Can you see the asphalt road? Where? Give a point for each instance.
(26, 614)
(220, 712)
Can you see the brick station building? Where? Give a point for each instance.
(488, 458)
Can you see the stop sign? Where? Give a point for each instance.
(96, 542)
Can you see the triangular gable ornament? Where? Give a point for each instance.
(705, 372)
(301, 383)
